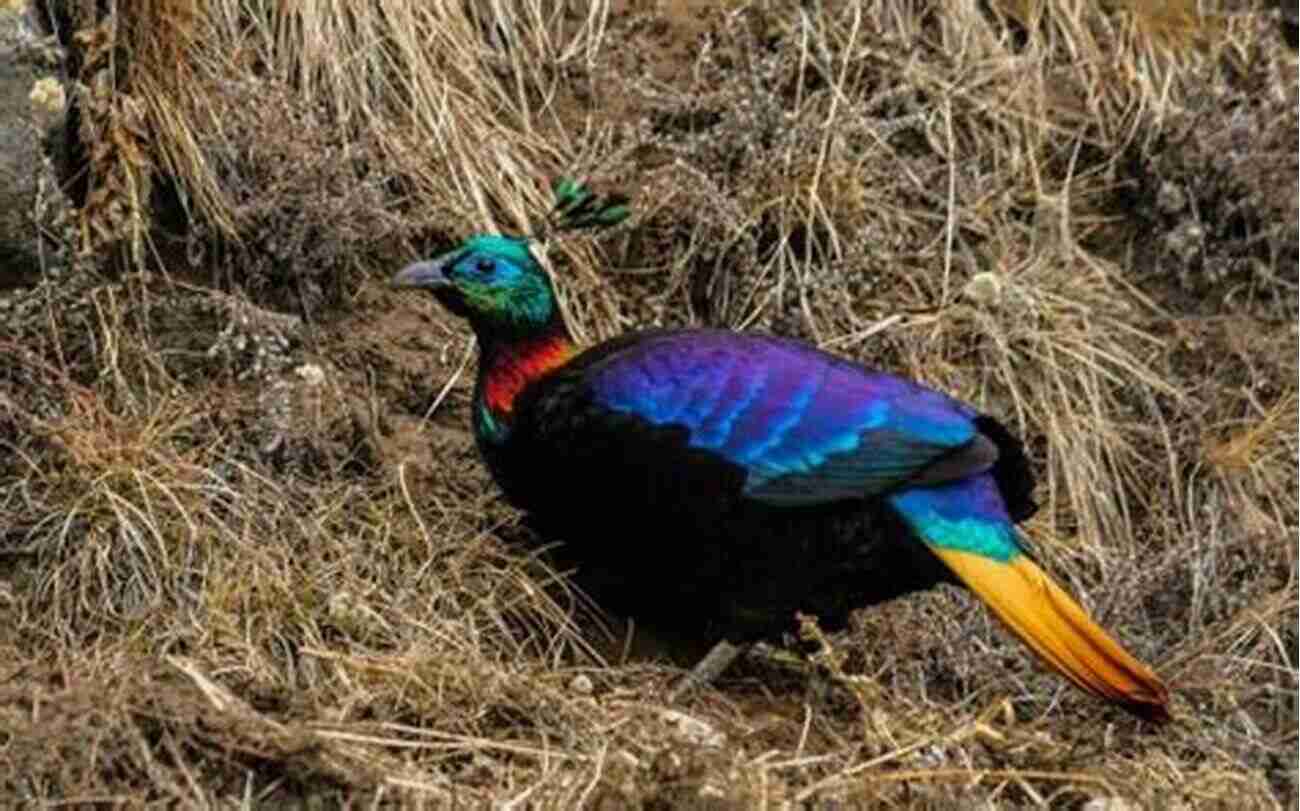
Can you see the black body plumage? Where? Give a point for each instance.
(655, 529)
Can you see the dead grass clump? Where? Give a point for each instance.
(288, 146)
(821, 137)
(1212, 196)
(144, 519)
(248, 557)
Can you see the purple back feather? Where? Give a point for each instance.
(807, 426)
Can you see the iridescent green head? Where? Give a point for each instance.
(496, 282)
(492, 280)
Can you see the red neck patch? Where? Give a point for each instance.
(511, 368)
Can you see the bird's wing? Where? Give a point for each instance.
(805, 426)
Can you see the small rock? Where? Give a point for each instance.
(1170, 199)
(1185, 241)
(48, 101)
(693, 730)
(984, 288)
(581, 684)
(341, 604)
(311, 374)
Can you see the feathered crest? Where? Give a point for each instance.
(577, 206)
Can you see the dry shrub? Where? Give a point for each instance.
(281, 148)
(251, 557)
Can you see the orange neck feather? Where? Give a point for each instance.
(507, 371)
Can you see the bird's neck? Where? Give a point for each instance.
(507, 367)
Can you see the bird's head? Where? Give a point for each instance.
(493, 281)
(497, 283)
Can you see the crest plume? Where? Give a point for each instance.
(577, 206)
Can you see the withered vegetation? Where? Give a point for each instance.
(247, 553)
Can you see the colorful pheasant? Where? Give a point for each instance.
(714, 482)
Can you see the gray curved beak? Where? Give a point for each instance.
(430, 273)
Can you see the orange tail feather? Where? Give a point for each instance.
(1056, 627)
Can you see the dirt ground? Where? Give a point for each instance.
(249, 557)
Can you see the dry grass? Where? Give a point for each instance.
(248, 556)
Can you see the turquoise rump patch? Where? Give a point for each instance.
(965, 516)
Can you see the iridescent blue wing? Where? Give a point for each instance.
(806, 427)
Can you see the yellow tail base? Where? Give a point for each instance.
(1056, 627)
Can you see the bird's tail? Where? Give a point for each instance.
(966, 525)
